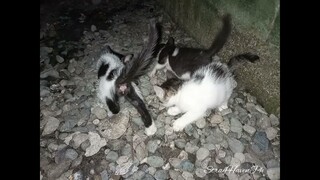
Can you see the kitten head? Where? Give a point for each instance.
(109, 68)
(165, 50)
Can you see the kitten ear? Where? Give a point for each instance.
(127, 58)
(170, 41)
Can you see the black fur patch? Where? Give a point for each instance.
(102, 70)
(218, 70)
(111, 74)
(113, 106)
(198, 77)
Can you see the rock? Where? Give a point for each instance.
(180, 143)
(240, 156)
(202, 153)
(123, 168)
(96, 142)
(153, 145)
(186, 165)
(166, 166)
(99, 112)
(216, 119)
(116, 127)
(78, 139)
(76, 162)
(174, 174)
(189, 130)
(188, 176)
(273, 173)
(273, 164)
(260, 139)
(190, 148)
(161, 175)
(155, 161)
(148, 177)
(138, 175)
(271, 133)
(221, 154)
(112, 156)
(232, 176)
(139, 147)
(51, 125)
(68, 124)
(57, 170)
(175, 162)
(59, 59)
(225, 126)
(209, 146)
(122, 159)
(126, 150)
(49, 73)
(104, 175)
(226, 111)
(249, 129)
(274, 120)
(235, 162)
(201, 123)
(183, 155)
(235, 145)
(200, 172)
(236, 126)
(96, 121)
(71, 154)
(116, 144)
(93, 28)
(264, 122)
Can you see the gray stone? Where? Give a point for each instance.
(161, 175)
(235, 145)
(260, 139)
(57, 170)
(216, 119)
(236, 126)
(225, 126)
(273, 164)
(271, 133)
(189, 130)
(249, 129)
(96, 142)
(59, 59)
(202, 153)
(209, 146)
(99, 112)
(51, 125)
(116, 144)
(186, 165)
(186, 175)
(264, 122)
(112, 156)
(77, 162)
(104, 175)
(155, 161)
(190, 148)
(175, 162)
(200, 172)
(274, 120)
(68, 125)
(138, 175)
(49, 73)
(180, 143)
(153, 145)
(115, 127)
(126, 150)
(273, 173)
(201, 123)
(174, 174)
(147, 177)
(71, 154)
(226, 111)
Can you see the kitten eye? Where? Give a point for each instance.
(111, 75)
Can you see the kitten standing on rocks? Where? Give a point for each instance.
(181, 62)
(117, 74)
(209, 87)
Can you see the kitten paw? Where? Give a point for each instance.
(177, 126)
(110, 114)
(173, 111)
(151, 130)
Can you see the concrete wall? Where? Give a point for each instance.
(256, 28)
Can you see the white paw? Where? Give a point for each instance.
(110, 114)
(173, 111)
(177, 126)
(151, 129)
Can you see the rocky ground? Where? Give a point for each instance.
(77, 139)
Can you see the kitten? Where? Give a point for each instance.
(209, 87)
(182, 62)
(117, 74)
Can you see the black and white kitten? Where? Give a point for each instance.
(117, 74)
(182, 62)
(209, 87)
